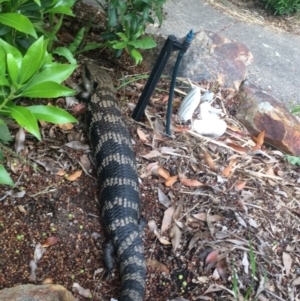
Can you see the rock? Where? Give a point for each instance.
(210, 57)
(30, 292)
(259, 111)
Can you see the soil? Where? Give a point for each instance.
(236, 222)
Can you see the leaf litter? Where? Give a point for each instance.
(230, 192)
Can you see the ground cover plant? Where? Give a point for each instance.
(282, 7)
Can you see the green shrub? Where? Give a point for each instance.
(126, 24)
(23, 21)
(33, 75)
(282, 7)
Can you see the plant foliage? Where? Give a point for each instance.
(23, 21)
(32, 75)
(126, 24)
(282, 7)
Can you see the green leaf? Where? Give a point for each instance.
(77, 41)
(19, 22)
(136, 55)
(26, 120)
(5, 136)
(293, 160)
(145, 43)
(89, 46)
(112, 18)
(1, 156)
(4, 81)
(5, 177)
(32, 60)
(13, 51)
(60, 10)
(119, 45)
(13, 69)
(122, 36)
(54, 73)
(51, 114)
(47, 90)
(2, 63)
(295, 110)
(65, 52)
(159, 15)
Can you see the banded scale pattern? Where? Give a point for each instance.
(118, 180)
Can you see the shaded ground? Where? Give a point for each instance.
(252, 201)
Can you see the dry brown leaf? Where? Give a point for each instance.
(178, 212)
(48, 281)
(163, 240)
(227, 170)
(240, 185)
(152, 166)
(259, 140)
(175, 235)
(61, 173)
(154, 153)
(215, 218)
(171, 181)
(237, 147)
(240, 220)
(75, 175)
(213, 288)
(270, 172)
(165, 98)
(296, 282)
(142, 135)
(85, 161)
(77, 145)
(279, 172)
(287, 262)
(156, 265)
(191, 183)
(50, 241)
(159, 128)
(212, 257)
(66, 126)
(209, 161)
(163, 199)
(180, 129)
(78, 109)
(139, 86)
(163, 173)
(21, 208)
(222, 269)
(167, 219)
(200, 216)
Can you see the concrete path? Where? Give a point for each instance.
(276, 65)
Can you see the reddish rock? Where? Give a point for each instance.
(259, 111)
(30, 292)
(210, 57)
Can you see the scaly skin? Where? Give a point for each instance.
(118, 180)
